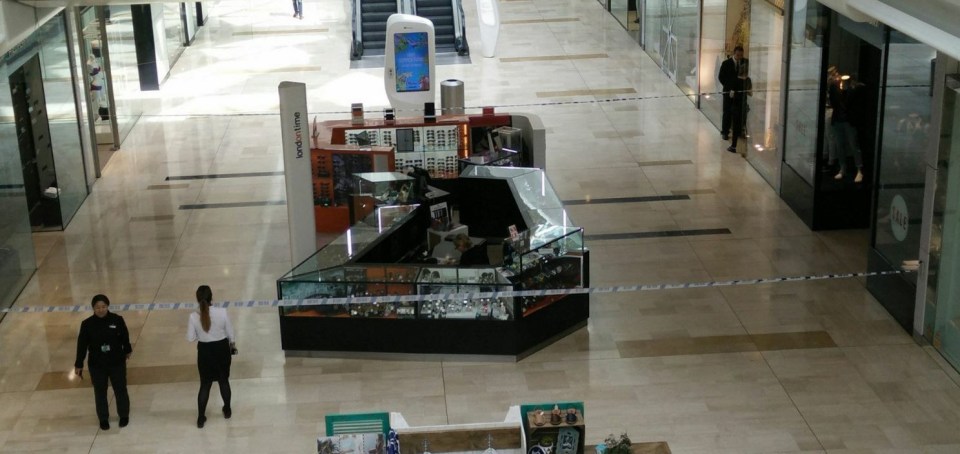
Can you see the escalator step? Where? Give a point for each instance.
(373, 45)
(380, 28)
(375, 18)
(435, 11)
(445, 21)
(429, 3)
(374, 35)
(379, 8)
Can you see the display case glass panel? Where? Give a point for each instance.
(449, 281)
(539, 204)
(547, 254)
(353, 242)
(387, 188)
(553, 260)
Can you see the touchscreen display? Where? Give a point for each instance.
(412, 60)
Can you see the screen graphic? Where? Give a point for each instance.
(412, 59)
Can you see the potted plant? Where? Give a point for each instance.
(614, 445)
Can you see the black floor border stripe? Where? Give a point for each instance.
(203, 206)
(659, 234)
(213, 176)
(651, 198)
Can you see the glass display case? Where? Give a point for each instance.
(503, 157)
(374, 189)
(550, 259)
(453, 309)
(450, 281)
(387, 188)
(538, 206)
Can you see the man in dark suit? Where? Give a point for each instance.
(729, 70)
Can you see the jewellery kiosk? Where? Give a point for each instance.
(387, 254)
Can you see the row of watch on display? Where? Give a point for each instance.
(481, 308)
(427, 277)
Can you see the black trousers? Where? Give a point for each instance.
(737, 124)
(727, 118)
(117, 376)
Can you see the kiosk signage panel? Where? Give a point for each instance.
(409, 64)
(295, 129)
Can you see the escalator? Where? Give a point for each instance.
(370, 24)
(446, 24)
(370, 17)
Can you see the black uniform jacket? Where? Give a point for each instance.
(106, 339)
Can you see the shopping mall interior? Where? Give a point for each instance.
(195, 195)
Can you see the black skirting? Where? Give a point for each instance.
(213, 360)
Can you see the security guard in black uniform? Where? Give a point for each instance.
(104, 335)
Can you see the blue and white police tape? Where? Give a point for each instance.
(389, 299)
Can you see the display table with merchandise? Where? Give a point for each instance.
(439, 149)
(388, 253)
(526, 429)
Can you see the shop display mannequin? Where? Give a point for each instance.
(842, 93)
(98, 89)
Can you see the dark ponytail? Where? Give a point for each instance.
(204, 295)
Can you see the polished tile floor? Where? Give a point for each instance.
(802, 366)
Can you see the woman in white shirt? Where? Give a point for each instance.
(211, 327)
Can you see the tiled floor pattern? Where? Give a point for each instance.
(815, 366)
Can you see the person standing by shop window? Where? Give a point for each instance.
(729, 72)
(104, 337)
(211, 327)
(845, 101)
(298, 9)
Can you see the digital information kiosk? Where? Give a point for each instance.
(410, 64)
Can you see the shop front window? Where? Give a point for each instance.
(905, 137)
(714, 48)
(70, 185)
(17, 260)
(124, 72)
(173, 30)
(625, 12)
(943, 305)
(97, 84)
(651, 29)
(809, 26)
(672, 38)
(763, 117)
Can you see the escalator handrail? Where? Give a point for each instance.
(459, 22)
(357, 27)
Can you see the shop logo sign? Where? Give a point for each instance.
(298, 134)
(899, 218)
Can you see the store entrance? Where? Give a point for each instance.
(852, 86)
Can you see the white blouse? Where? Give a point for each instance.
(220, 327)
